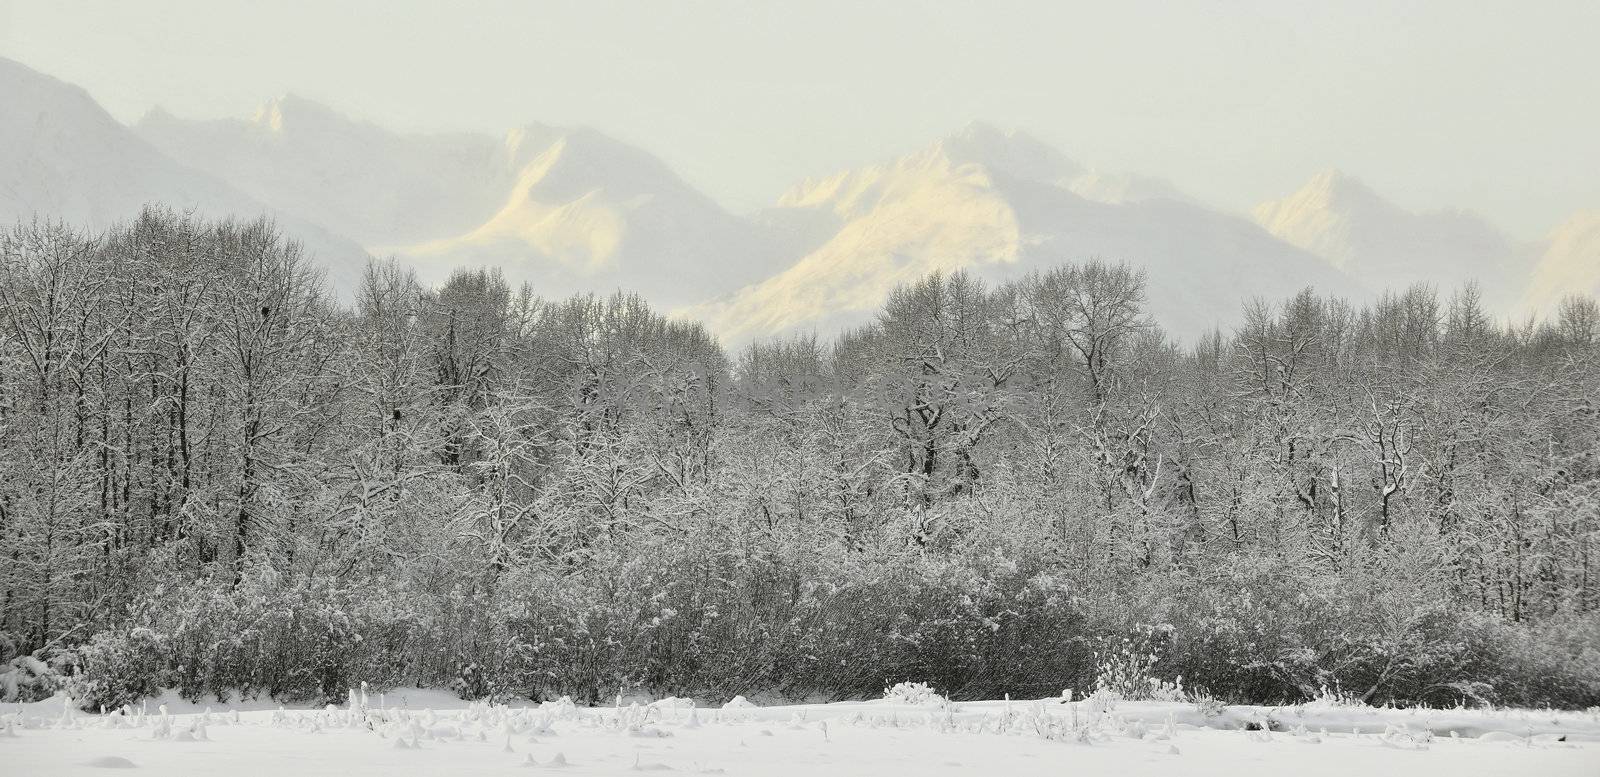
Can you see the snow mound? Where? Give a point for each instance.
(110, 762)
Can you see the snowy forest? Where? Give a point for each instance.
(218, 475)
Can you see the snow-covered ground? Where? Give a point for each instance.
(430, 733)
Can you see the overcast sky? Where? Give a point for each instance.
(1492, 106)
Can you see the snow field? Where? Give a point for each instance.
(428, 733)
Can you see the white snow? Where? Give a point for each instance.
(430, 733)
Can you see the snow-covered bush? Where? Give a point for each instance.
(1127, 669)
(658, 621)
(1207, 705)
(470, 682)
(1327, 697)
(25, 678)
(1102, 701)
(1257, 632)
(119, 666)
(915, 694)
(953, 622)
(292, 642)
(978, 626)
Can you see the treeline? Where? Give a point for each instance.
(215, 476)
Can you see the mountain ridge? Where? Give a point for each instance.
(1343, 220)
(62, 156)
(957, 205)
(572, 210)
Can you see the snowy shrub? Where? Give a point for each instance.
(119, 667)
(915, 694)
(657, 621)
(1162, 690)
(470, 682)
(974, 626)
(1257, 633)
(1498, 662)
(954, 622)
(25, 678)
(1335, 698)
(291, 642)
(1127, 669)
(1102, 701)
(1207, 705)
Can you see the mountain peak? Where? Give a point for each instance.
(983, 132)
(524, 143)
(565, 164)
(1333, 177)
(1343, 220)
(1329, 195)
(1011, 153)
(1337, 187)
(156, 115)
(288, 112)
(27, 89)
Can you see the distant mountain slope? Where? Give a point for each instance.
(586, 212)
(568, 210)
(1382, 245)
(63, 157)
(572, 210)
(1570, 265)
(998, 205)
(361, 180)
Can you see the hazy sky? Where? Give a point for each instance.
(1493, 106)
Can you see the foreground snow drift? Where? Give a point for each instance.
(421, 732)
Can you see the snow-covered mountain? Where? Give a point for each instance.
(1382, 245)
(999, 204)
(584, 212)
(362, 181)
(63, 157)
(573, 210)
(568, 210)
(1570, 264)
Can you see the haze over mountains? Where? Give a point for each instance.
(1000, 204)
(573, 210)
(1340, 219)
(63, 157)
(569, 210)
(1570, 262)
